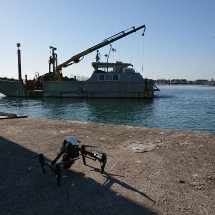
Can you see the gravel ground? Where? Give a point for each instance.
(149, 171)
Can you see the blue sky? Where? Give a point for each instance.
(179, 41)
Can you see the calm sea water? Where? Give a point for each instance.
(176, 107)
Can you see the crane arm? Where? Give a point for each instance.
(76, 58)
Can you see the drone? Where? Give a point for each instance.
(69, 153)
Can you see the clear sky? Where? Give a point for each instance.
(179, 41)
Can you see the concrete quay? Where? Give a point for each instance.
(149, 170)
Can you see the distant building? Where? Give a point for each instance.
(162, 82)
(184, 82)
(178, 81)
(201, 82)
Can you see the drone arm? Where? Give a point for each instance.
(59, 155)
(87, 154)
(94, 156)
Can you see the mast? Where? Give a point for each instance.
(19, 62)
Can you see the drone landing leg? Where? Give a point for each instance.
(83, 154)
(57, 171)
(103, 161)
(42, 162)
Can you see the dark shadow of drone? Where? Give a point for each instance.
(110, 180)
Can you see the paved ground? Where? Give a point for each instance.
(149, 171)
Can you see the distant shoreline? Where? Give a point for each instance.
(198, 82)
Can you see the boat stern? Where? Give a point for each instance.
(10, 87)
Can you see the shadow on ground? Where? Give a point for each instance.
(25, 190)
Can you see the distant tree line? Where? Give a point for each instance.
(184, 82)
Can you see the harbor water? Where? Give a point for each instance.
(176, 107)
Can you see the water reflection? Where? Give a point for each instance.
(185, 108)
(116, 111)
(130, 111)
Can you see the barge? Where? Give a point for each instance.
(107, 80)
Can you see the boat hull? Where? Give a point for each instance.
(86, 89)
(10, 87)
(97, 90)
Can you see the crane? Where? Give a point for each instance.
(109, 40)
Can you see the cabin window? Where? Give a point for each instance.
(101, 77)
(115, 77)
(108, 77)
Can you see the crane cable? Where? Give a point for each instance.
(129, 41)
(142, 55)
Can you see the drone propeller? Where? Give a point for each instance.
(90, 146)
(98, 152)
(37, 155)
(34, 156)
(101, 152)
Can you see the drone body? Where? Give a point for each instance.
(70, 151)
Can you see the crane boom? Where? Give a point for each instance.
(76, 58)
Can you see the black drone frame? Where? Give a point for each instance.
(70, 152)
